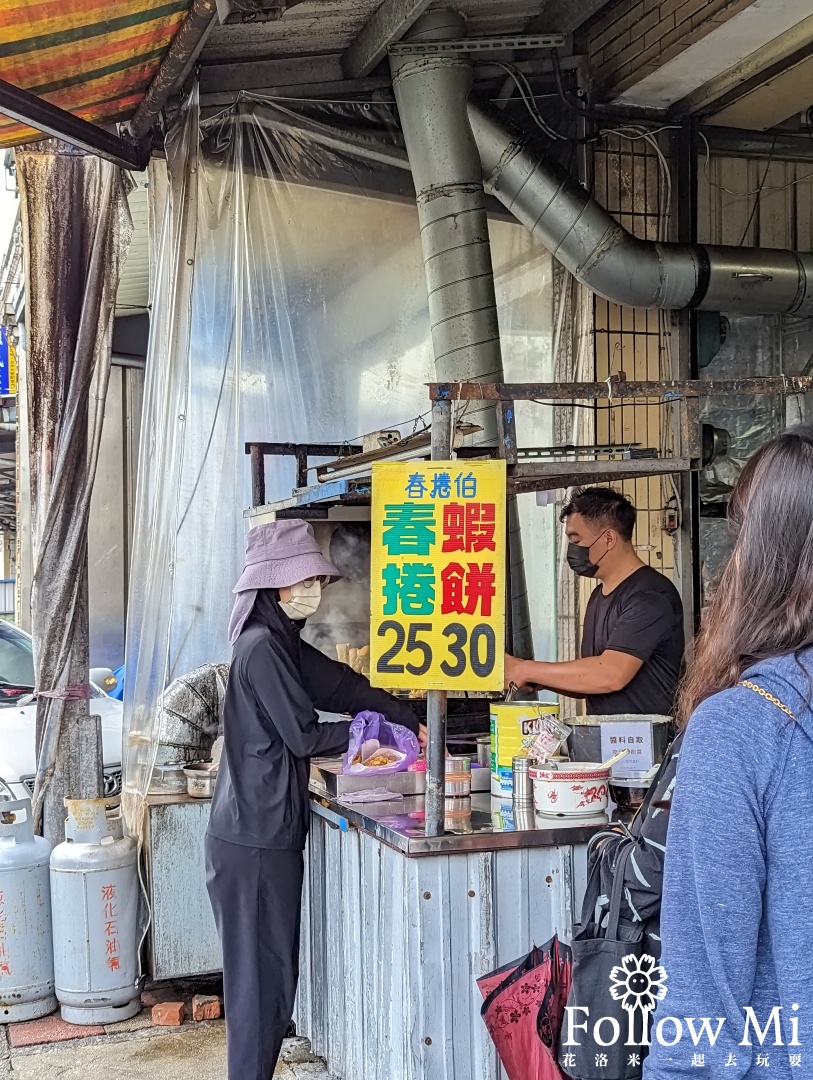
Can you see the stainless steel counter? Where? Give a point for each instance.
(492, 825)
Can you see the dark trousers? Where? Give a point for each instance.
(256, 897)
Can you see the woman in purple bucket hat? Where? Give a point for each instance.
(259, 819)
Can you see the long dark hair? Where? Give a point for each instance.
(763, 606)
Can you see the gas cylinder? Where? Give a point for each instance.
(94, 892)
(26, 949)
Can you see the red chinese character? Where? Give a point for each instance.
(470, 527)
(110, 911)
(454, 527)
(111, 946)
(110, 929)
(5, 968)
(481, 521)
(108, 892)
(464, 590)
(113, 963)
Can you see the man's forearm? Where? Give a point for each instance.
(576, 678)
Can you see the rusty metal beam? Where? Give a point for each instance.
(37, 113)
(550, 475)
(176, 65)
(386, 25)
(618, 388)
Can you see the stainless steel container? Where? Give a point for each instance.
(458, 777)
(484, 751)
(200, 779)
(523, 793)
(168, 779)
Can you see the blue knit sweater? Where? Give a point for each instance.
(737, 917)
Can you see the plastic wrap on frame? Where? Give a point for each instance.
(289, 303)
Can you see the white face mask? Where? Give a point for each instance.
(305, 599)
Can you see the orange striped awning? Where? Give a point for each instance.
(90, 57)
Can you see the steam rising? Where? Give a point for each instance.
(344, 613)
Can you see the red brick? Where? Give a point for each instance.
(168, 1013)
(205, 1007)
(48, 1030)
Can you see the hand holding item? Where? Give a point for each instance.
(515, 673)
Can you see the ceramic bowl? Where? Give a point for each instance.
(575, 789)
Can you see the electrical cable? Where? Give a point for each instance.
(758, 194)
(522, 85)
(756, 190)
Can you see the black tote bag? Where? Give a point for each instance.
(597, 951)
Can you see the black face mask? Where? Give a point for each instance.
(578, 559)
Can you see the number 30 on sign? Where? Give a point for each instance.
(438, 575)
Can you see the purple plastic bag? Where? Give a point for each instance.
(372, 725)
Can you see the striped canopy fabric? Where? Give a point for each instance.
(90, 57)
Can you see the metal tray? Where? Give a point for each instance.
(327, 776)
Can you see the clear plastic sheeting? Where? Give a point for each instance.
(752, 349)
(289, 304)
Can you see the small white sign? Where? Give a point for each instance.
(635, 736)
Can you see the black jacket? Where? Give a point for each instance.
(271, 729)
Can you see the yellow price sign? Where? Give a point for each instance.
(438, 575)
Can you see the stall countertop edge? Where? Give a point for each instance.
(390, 823)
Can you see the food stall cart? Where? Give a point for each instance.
(407, 904)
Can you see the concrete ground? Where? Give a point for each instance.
(140, 1051)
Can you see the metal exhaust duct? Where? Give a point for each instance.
(602, 255)
(432, 93)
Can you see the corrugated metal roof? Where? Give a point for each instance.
(318, 27)
(134, 285)
(93, 58)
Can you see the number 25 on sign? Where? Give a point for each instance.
(438, 575)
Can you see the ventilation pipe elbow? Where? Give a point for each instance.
(611, 262)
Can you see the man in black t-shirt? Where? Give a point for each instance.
(632, 643)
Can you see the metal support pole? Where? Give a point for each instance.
(257, 475)
(435, 800)
(687, 542)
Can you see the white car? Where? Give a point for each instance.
(18, 723)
